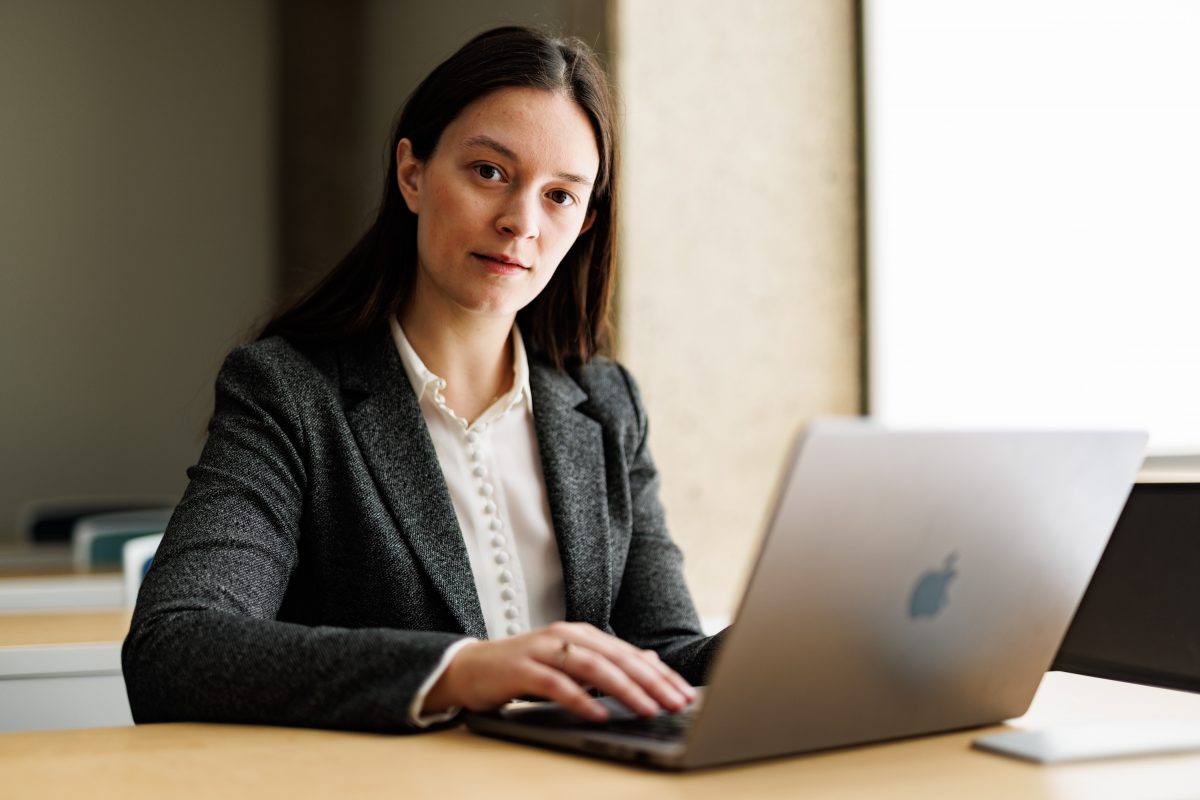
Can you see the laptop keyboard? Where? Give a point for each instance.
(664, 727)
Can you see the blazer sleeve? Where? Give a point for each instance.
(654, 608)
(205, 643)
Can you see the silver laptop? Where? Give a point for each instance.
(908, 582)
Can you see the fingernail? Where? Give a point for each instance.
(597, 712)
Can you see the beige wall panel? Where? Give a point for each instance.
(739, 295)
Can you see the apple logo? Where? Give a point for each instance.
(929, 595)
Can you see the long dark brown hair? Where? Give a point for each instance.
(569, 320)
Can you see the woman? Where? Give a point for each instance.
(422, 469)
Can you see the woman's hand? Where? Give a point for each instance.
(556, 662)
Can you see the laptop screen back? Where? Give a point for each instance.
(1139, 620)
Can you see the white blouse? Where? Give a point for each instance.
(493, 470)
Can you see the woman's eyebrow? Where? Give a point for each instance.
(483, 140)
(491, 144)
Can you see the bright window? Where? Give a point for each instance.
(1034, 214)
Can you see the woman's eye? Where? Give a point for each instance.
(561, 198)
(488, 172)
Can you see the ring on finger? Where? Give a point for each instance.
(563, 652)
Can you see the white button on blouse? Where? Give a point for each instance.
(494, 473)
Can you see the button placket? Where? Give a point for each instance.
(500, 555)
(473, 442)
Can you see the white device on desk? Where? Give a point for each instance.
(909, 582)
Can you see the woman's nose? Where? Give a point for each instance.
(518, 218)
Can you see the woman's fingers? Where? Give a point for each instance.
(675, 679)
(553, 684)
(593, 669)
(556, 662)
(627, 672)
(666, 684)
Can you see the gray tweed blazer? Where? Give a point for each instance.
(314, 572)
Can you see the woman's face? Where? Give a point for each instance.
(500, 201)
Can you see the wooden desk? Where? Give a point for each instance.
(20, 558)
(44, 629)
(62, 670)
(191, 760)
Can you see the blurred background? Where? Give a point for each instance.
(792, 243)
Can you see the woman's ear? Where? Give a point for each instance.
(409, 171)
(587, 223)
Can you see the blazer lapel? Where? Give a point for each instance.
(572, 451)
(395, 444)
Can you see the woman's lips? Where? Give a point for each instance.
(500, 264)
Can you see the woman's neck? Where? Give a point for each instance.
(472, 352)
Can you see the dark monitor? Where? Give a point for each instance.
(1139, 620)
